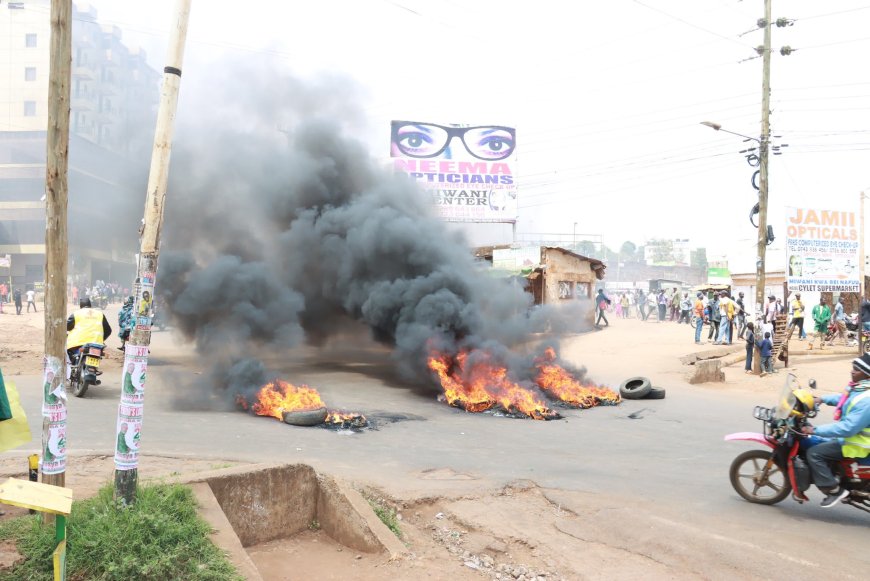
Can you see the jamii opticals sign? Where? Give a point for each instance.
(468, 170)
(822, 248)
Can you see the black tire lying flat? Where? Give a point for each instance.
(305, 417)
(656, 393)
(635, 388)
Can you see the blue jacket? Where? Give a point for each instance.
(766, 347)
(852, 422)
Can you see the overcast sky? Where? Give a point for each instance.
(606, 96)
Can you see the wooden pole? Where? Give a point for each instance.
(56, 164)
(130, 410)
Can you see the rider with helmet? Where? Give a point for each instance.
(848, 437)
(86, 325)
(126, 322)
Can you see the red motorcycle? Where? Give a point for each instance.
(768, 476)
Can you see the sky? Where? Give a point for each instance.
(607, 97)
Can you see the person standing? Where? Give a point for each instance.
(4, 292)
(625, 304)
(840, 320)
(766, 355)
(770, 312)
(601, 302)
(17, 297)
(797, 317)
(726, 314)
(699, 315)
(741, 315)
(675, 305)
(750, 346)
(663, 305)
(685, 309)
(31, 296)
(652, 303)
(715, 317)
(821, 318)
(641, 305)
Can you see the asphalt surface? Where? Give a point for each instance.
(668, 467)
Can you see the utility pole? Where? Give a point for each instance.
(764, 144)
(130, 410)
(56, 249)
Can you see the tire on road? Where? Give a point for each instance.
(635, 388)
(753, 460)
(656, 393)
(305, 417)
(79, 388)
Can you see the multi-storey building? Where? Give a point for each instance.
(112, 106)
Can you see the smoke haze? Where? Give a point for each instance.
(282, 229)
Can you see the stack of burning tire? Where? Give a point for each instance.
(640, 388)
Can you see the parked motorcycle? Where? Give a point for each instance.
(86, 368)
(768, 476)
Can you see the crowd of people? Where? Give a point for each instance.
(15, 296)
(24, 299)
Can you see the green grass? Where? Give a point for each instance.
(387, 516)
(160, 537)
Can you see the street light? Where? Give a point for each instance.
(574, 243)
(762, 209)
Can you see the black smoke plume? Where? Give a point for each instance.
(281, 229)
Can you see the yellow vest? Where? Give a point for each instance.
(88, 328)
(857, 446)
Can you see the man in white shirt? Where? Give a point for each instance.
(31, 296)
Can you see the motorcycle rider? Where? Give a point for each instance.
(125, 322)
(86, 325)
(847, 437)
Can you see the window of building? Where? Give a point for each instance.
(29, 73)
(30, 40)
(30, 108)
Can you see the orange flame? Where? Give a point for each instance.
(557, 383)
(484, 386)
(277, 397)
(345, 419)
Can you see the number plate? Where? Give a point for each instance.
(92, 361)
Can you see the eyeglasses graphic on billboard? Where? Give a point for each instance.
(425, 140)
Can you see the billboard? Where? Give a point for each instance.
(822, 248)
(468, 170)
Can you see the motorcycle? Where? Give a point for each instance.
(86, 368)
(768, 476)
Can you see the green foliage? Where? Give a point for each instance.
(387, 516)
(160, 537)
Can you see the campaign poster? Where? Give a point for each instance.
(469, 171)
(822, 249)
(127, 437)
(54, 416)
(133, 375)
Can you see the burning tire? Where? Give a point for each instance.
(635, 388)
(305, 417)
(655, 393)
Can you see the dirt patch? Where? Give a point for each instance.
(23, 355)
(9, 555)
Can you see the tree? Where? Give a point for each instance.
(628, 249)
(699, 259)
(586, 248)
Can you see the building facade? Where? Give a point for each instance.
(113, 101)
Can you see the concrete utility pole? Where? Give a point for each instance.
(862, 257)
(130, 410)
(764, 144)
(56, 164)
(763, 147)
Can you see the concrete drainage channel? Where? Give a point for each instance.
(281, 515)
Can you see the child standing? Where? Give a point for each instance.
(766, 355)
(750, 345)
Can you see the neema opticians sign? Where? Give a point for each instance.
(468, 170)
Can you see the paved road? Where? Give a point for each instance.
(670, 466)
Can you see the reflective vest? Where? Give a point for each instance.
(88, 328)
(857, 446)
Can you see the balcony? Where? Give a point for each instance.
(83, 103)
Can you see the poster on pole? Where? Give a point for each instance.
(822, 249)
(469, 171)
